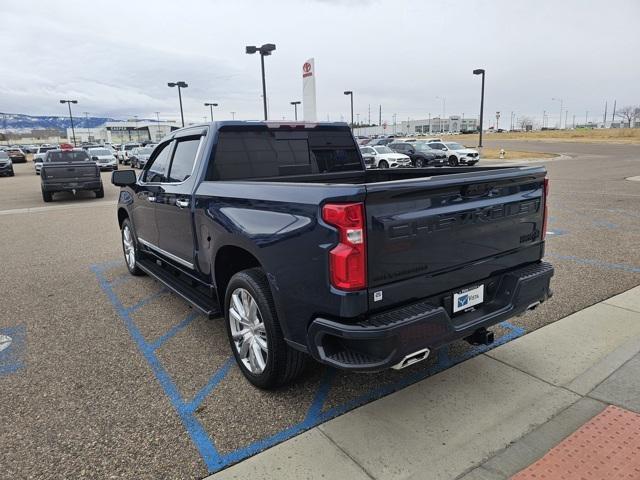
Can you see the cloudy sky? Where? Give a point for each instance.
(116, 57)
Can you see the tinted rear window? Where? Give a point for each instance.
(260, 153)
(73, 156)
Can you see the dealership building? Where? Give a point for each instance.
(123, 132)
(425, 126)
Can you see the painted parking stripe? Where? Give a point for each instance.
(315, 414)
(596, 263)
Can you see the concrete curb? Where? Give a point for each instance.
(486, 418)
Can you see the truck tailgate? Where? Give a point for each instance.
(436, 226)
(70, 172)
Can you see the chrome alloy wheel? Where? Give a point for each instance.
(129, 247)
(248, 331)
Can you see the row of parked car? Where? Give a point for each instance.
(408, 152)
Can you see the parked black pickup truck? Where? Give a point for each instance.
(280, 228)
(69, 171)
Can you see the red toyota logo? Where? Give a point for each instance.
(306, 68)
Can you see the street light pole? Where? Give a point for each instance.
(233, 115)
(211, 105)
(350, 93)
(264, 50)
(73, 131)
(480, 71)
(295, 109)
(180, 86)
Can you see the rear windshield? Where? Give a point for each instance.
(73, 156)
(99, 151)
(261, 152)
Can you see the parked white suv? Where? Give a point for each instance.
(383, 157)
(457, 154)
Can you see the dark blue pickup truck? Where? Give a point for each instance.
(281, 229)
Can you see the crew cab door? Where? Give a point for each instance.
(174, 207)
(144, 205)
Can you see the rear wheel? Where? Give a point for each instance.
(100, 193)
(255, 336)
(383, 164)
(130, 248)
(453, 161)
(47, 196)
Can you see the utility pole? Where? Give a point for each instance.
(369, 121)
(560, 117)
(566, 114)
(380, 116)
(605, 114)
(613, 113)
(233, 115)
(86, 119)
(574, 122)
(158, 126)
(511, 122)
(544, 118)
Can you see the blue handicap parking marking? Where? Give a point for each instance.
(12, 344)
(316, 413)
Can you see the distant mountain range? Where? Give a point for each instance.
(19, 123)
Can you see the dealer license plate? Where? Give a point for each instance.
(468, 298)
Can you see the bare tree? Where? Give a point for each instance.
(525, 122)
(628, 113)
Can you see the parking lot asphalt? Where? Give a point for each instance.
(111, 376)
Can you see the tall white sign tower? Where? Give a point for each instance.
(309, 91)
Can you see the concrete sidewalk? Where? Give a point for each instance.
(486, 418)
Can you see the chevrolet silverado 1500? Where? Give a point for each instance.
(281, 229)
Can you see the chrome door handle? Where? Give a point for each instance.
(182, 203)
(151, 199)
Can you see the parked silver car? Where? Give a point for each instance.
(104, 158)
(139, 156)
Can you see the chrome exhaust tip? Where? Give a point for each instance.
(412, 358)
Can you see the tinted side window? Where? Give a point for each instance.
(437, 146)
(159, 165)
(183, 160)
(259, 153)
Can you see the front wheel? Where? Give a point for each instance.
(419, 163)
(453, 161)
(254, 332)
(383, 164)
(130, 248)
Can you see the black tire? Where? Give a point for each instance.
(132, 265)
(419, 163)
(12, 173)
(284, 364)
(453, 161)
(100, 193)
(383, 164)
(47, 196)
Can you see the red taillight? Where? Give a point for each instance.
(546, 208)
(348, 260)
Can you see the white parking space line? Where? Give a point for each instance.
(16, 211)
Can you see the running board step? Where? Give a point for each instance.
(202, 302)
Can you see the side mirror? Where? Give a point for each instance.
(411, 151)
(123, 178)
